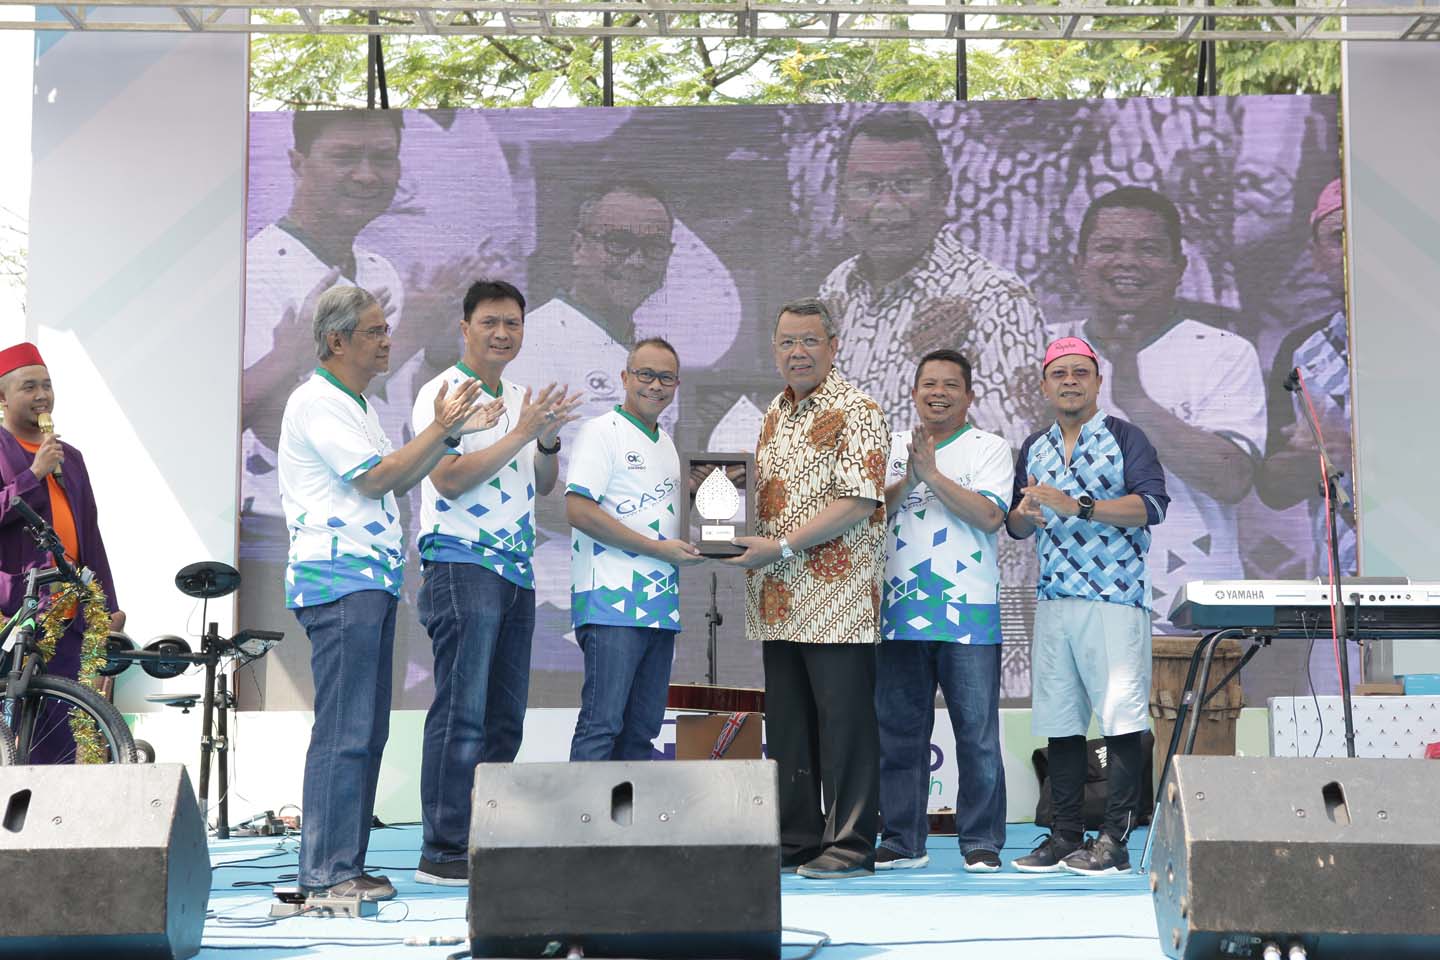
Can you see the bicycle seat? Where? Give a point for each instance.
(182, 700)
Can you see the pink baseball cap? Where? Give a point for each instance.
(1332, 198)
(1067, 346)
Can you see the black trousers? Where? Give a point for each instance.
(1125, 764)
(821, 732)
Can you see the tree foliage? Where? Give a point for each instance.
(308, 70)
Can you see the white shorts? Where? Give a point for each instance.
(1089, 655)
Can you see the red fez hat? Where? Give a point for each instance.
(20, 355)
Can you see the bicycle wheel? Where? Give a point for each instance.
(7, 746)
(41, 723)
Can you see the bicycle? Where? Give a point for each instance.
(36, 710)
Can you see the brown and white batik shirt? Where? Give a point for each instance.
(831, 445)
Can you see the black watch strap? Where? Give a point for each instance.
(1087, 506)
(452, 442)
(548, 451)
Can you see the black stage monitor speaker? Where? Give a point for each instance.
(101, 861)
(665, 859)
(1340, 857)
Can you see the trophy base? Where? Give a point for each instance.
(715, 540)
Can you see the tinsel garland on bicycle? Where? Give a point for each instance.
(52, 621)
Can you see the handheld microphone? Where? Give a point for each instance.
(47, 427)
(1292, 380)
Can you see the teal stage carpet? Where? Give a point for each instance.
(937, 912)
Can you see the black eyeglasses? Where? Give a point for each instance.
(646, 375)
(622, 243)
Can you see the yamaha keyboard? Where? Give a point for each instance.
(1387, 607)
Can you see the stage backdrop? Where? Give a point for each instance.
(696, 224)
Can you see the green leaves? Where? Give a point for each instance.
(302, 71)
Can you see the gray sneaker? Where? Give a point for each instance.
(1098, 857)
(830, 867)
(365, 886)
(1046, 856)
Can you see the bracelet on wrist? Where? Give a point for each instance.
(548, 451)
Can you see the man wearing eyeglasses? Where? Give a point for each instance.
(621, 496)
(812, 597)
(339, 478)
(913, 287)
(619, 254)
(477, 602)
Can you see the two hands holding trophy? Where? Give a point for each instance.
(716, 511)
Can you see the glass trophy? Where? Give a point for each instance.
(719, 507)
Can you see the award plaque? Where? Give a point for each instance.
(719, 506)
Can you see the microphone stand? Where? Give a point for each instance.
(1335, 498)
(713, 620)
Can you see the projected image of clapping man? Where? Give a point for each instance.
(1193, 388)
(620, 249)
(912, 286)
(346, 168)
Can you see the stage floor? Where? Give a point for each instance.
(940, 911)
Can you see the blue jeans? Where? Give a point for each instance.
(627, 683)
(480, 627)
(352, 644)
(969, 675)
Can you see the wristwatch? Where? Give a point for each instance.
(452, 442)
(548, 451)
(1087, 506)
(785, 552)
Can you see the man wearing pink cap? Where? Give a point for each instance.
(1321, 352)
(1089, 488)
(1194, 388)
(51, 477)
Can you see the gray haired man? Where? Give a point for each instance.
(339, 478)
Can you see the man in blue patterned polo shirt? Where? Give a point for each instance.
(477, 537)
(338, 481)
(1089, 488)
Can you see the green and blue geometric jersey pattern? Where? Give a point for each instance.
(493, 523)
(942, 580)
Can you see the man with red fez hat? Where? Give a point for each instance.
(30, 466)
(1088, 488)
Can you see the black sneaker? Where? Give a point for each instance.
(1046, 856)
(982, 861)
(443, 873)
(1098, 857)
(887, 859)
(365, 886)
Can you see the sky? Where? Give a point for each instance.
(17, 59)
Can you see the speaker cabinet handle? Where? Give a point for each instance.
(1335, 806)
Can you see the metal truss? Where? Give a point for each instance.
(1256, 20)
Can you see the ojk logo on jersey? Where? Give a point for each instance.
(634, 460)
(653, 497)
(600, 386)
